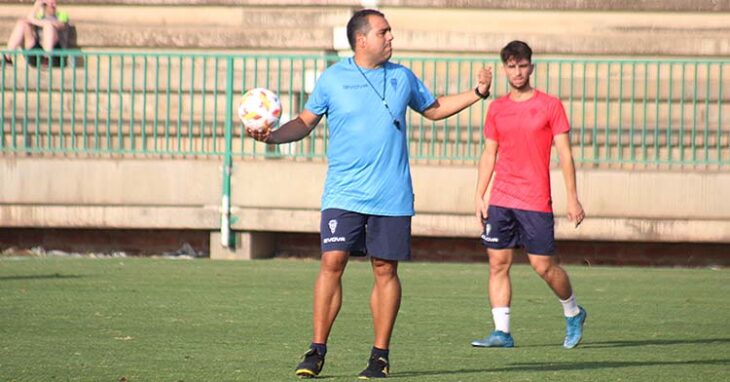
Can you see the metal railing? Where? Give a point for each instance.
(663, 113)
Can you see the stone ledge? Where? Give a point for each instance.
(442, 30)
(464, 226)
(307, 221)
(613, 5)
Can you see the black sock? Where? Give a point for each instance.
(378, 352)
(319, 348)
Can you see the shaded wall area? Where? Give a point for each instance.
(132, 242)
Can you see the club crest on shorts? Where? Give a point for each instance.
(485, 236)
(333, 225)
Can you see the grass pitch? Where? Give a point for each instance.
(141, 319)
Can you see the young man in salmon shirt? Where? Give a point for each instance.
(520, 129)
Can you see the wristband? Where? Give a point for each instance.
(480, 95)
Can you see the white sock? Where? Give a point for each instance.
(501, 318)
(570, 306)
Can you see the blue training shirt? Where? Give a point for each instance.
(368, 168)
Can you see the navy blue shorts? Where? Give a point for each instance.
(512, 228)
(382, 237)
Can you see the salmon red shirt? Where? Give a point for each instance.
(524, 132)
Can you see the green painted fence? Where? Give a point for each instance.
(652, 113)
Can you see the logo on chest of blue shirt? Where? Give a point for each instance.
(353, 86)
(393, 84)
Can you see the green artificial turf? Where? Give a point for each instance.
(142, 319)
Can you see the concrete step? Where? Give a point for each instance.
(216, 27)
(205, 139)
(662, 158)
(454, 30)
(613, 5)
(202, 108)
(653, 33)
(701, 158)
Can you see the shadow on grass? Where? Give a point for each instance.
(634, 343)
(564, 366)
(39, 277)
(631, 343)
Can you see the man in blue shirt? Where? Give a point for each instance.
(367, 202)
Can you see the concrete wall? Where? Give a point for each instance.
(621, 27)
(278, 195)
(614, 5)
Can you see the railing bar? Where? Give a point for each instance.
(191, 117)
(132, 103)
(120, 120)
(3, 65)
(215, 104)
(144, 104)
(167, 106)
(619, 136)
(37, 138)
(107, 134)
(583, 124)
(61, 141)
(670, 97)
(469, 151)
(594, 142)
(73, 108)
(706, 132)
(203, 109)
(178, 130)
(693, 135)
(432, 144)
(445, 123)
(155, 129)
(13, 119)
(645, 98)
(632, 155)
(49, 104)
(681, 112)
(244, 88)
(719, 114)
(656, 111)
(607, 128)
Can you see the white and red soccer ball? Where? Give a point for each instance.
(259, 109)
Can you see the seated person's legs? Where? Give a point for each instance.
(49, 38)
(21, 36)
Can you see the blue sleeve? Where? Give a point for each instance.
(421, 97)
(318, 102)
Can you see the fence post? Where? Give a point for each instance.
(227, 160)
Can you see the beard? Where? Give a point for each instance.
(522, 87)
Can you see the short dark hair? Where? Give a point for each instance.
(359, 24)
(516, 50)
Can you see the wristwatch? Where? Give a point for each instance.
(480, 95)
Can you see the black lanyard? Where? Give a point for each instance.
(396, 122)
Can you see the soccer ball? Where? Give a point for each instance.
(259, 109)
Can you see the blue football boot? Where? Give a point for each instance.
(498, 339)
(574, 328)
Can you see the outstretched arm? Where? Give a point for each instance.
(575, 209)
(291, 131)
(448, 105)
(486, 169)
